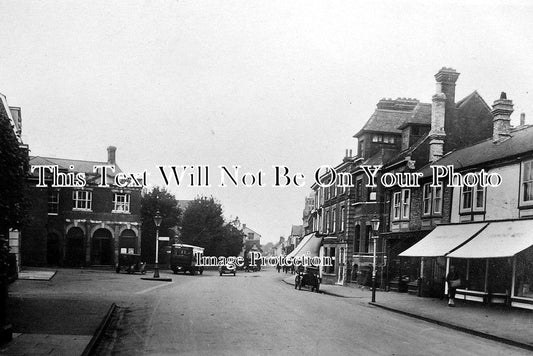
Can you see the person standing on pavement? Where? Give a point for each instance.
(454, 280)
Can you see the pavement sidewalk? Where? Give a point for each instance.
(52, 325)
(508, 325)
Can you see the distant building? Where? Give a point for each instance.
(82, 226)
(307, 221)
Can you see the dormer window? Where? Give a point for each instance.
(383, 138)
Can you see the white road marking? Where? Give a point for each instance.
(153, 288)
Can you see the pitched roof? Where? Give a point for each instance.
(519, 142)
(65, 163)
(385, 121)
(421, 116)
(469, 97)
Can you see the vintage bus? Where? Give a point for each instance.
(183, 258)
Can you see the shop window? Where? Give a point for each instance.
(523, 286)
(476, 274)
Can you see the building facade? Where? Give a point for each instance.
(89, 225)
(493, 223)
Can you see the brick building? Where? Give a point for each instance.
(333, 219)
(82, 226)
(410, 213)
(488, 234)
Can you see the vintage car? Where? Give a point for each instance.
(309, 277)
(130, 263)
(227, 269)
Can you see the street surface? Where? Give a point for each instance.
(250, 314)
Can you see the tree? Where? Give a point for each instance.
(203, 225)
(158, 199)
(13, 168)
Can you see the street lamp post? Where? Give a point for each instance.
(375, 228)
(157, 221)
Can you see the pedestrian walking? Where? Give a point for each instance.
(454, 281)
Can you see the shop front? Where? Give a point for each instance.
(493, 258)
(498, 264)
(429, 253)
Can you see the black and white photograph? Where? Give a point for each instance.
(245, 177)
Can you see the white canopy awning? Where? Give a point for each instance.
(309, 246)
(499, 239)
(443, 239)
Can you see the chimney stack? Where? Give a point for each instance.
(443, 99)
(522, 119)
(446, 78)
(501, 117)
(111, 154)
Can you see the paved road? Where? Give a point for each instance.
(257, 314)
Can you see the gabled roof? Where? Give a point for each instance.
(470, 97)
(519, 142)
(386, 121)
(421, 116)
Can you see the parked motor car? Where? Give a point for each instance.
(227, 269)
(130, 263)
(309, 278)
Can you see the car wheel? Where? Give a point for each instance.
(220, 274)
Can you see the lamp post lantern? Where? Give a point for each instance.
(157, 221)
(375, 228)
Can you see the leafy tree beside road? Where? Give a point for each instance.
(203, 225)
(158, 199)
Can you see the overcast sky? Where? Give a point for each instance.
(249, 83)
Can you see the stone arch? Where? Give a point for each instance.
(127, 241)
(126, 227)
(103, 227)
(102, 250)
